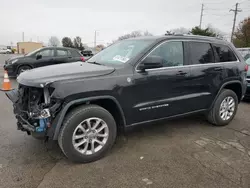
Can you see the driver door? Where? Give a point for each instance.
(47, 57)
(161, 92)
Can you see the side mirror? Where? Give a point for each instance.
(151, 62)
(38, 56)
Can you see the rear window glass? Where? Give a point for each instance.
(62, 52)
(223, 53)
(75, 53)
(201, 53)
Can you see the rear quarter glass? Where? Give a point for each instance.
(76, 53)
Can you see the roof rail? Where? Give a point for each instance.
(201, 36)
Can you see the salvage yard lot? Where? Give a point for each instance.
(187, 152)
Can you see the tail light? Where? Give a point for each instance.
(82, 59)
(246, 67)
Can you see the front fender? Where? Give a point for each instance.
(57, 123)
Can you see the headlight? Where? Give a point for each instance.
(12, 62)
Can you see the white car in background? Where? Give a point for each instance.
(5, 51)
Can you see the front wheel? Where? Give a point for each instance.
(224, 108)
(88, 133)
(22, 69)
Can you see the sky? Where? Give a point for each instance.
(41, 19)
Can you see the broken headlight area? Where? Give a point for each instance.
(33, 107)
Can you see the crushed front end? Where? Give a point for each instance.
(34, 109)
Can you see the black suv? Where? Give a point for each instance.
(132, 82)
(41, 57)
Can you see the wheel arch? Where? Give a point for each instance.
(235, 86)
(22, 65)
(110, 103)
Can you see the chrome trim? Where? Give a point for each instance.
(183, 66)
(186, 40)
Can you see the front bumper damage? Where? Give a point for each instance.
(34, 109)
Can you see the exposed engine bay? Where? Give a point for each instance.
(33, 108)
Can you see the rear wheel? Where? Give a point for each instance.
(22, 69)
(224, 108)
(87, 134)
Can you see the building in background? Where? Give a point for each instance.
(26, 47)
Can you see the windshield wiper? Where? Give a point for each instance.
(93, 62)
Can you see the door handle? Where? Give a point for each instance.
(69, 57)
(181, 73)
(218, 69)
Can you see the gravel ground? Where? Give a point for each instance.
(187, 152)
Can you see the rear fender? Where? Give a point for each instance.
(222, 87)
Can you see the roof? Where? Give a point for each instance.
(67, 48)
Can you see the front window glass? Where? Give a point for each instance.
(121, 52)
(46, 53)
(171, 52)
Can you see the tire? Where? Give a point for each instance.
(215, 113)
(73, 120)
(22, 69)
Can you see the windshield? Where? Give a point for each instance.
(247, 57)
(121, 52)
(33, 52)
(248, 61)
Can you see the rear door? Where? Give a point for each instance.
(63, 56)
(206, 75)
(225, 56)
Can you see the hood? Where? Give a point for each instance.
(16, 57)
(40, 77)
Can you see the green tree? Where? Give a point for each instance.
(241, 37)
(135, 34)
(180, 30)
(78, 43)
(66, 42)
(204, 32)
(54, 41)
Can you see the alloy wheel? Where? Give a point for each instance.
(90, 136)
(227, 108)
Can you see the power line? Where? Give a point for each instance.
(236, 10)
(217, 14)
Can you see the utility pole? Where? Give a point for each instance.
(23, 36)
(202, 9)
(236, 10)
(95, 40)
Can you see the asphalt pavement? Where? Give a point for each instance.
(187, 152)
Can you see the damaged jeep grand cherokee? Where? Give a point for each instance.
(132, 82)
